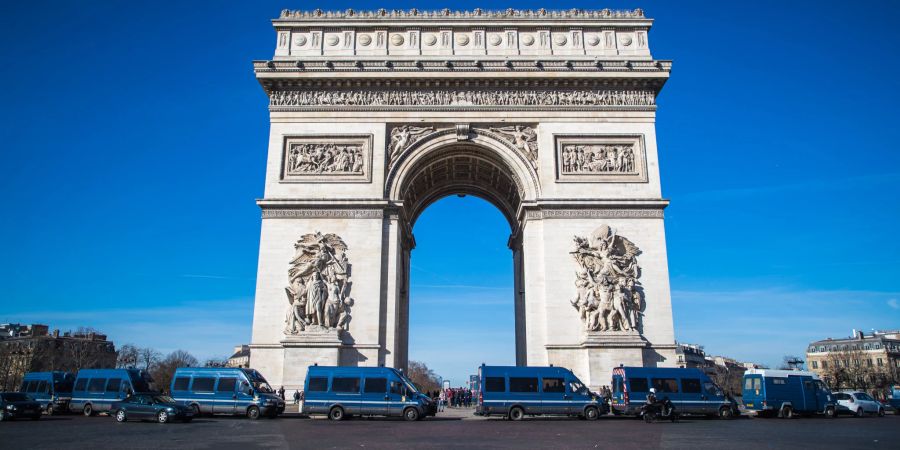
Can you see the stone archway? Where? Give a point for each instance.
(547, 115)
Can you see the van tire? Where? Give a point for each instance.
(336, 413)
(591, 413)
(88, 410)
(253, 413)
(787, 412)
(410, 414)
(830, 412)
(726, 413)
(516, 413)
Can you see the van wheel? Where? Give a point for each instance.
(726, 413)
(88, 410)
(830, 413)
(591, 413)
(336, 413)
(787, 412)
(516, 413)
(120, 416)
(411, 414)
(253, 413)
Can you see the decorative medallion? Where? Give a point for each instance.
(626, 40)
(332, 40)
(430, 40)
(528, 40)
(462, 39)
(365, 40)
(300, 41)
(560, 39)
(593, 40)
(496, 40)
(397, 39)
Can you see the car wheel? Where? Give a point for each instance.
(253, 413)
(860, 413)
(49, 409)
(120, 416)
(336, 413)
(2, 416)
(196, 409)
(830, 413)
(162, 416)
(726, 413)
(591, 413)
(516, 413)
(880, 412)
(787, 412)
(88, 410)
(411, 414)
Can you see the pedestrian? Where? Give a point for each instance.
(442, 399)
(281, 392)
(297, 397)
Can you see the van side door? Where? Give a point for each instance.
(375, 396)
(554, 397)
(202, 390)
(694, 399)
(226, 395)
(396, 398)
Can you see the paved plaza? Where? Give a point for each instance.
(455, 428)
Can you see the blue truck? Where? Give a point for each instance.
(225, 390)
(53, 390)
(95, 390)
(517, 391)
(342, 392)
(786, 393)
(690, 390)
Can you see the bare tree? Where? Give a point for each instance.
(147, 358)
(423, 377)
(127, 356)
(164, 370)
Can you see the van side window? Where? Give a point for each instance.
(376, 385)
(44, 387)
(113, 384)
(32, 386)
(181, 384)
(318, 384)
(226, 385)
(523, 384)
(639, 385)
(494, 384)
(690, 385)
(396, 387)
(666, 385)
(343, 384)
(554, 385)
(96, 385)
(203, 384)
(81, 384)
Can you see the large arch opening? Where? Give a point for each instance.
(445, 171)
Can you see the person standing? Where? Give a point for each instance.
(281, 392)
(442, 399)
(297, 397)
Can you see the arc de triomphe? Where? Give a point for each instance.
(547, 115)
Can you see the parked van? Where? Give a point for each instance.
(518, 391)
(53, 390)
(225, 390)
(342, 392)
(96, 389)
(787, 392)
(690, 390)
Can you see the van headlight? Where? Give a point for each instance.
(11, 407)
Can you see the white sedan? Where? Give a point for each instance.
(858, 404)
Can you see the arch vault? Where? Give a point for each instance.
(547, 115)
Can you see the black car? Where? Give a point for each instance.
(160, 408)
(15, 404)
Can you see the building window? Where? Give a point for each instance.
(877, 346)
(866, 347)
(880, 362)
(815, 364)
(869, 362)
(824, 364)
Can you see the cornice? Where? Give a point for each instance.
(293, 67)
(477, 15)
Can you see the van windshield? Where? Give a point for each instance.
(409, 384)
(63, 386)
(578, 387)
(262, 386)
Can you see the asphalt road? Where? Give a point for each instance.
(456, 429)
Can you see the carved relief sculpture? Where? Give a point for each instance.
(600, 158)
(609, 296)
(404, 136)
(328, 158)
(319, 285)
(460, 98)
(524, 138)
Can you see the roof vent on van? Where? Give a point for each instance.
(315, 364)
(551, 365)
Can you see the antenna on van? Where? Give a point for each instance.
(551, 365)
(315, 364)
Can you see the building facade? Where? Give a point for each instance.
(548, 115)
(860, 361)
(31, 348)
(240, 357)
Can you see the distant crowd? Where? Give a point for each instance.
(453, 397)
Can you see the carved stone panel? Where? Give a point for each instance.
(601, 158)
(327, 158)
(319, 285)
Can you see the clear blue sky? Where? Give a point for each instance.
(133, 139)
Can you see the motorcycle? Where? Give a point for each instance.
(661, 410)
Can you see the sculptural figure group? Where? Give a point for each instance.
(598, 158)
(609, 297)
(463, 97)
(325, 158)
(318, 293)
